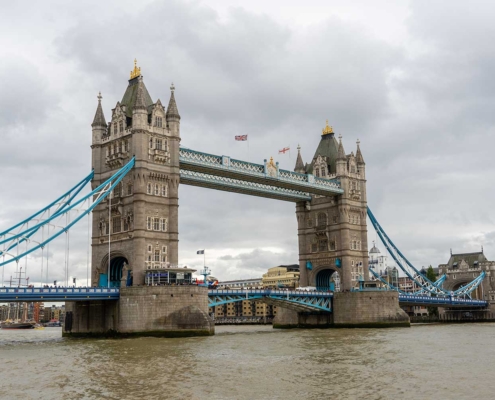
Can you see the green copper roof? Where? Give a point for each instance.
(328, 147)
(130, 96)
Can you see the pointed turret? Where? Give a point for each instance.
(340, 151)
(140, 102)
(299, 162)
(359, 156)
(99, 120)
(172, 116)
(341, 162)
(172, 111)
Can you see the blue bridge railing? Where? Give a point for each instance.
(8, 295)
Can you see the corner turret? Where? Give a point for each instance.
(299, 162)
(172, 116)
(99, 124)
(341, 161)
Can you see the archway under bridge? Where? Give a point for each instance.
(327, 279)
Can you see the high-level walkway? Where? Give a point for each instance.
(264, 180)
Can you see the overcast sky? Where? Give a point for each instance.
(413, 80)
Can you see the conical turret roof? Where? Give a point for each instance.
(328, 148)
(172, 110)
(340, 151)
(131, 96)
(299, 162)
(359, 156)
(140, 103)
(99, 119)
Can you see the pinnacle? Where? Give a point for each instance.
(299, 162)
(99, 119)
(140, 103)
(341, 152)
(359, 156)
(172, 110)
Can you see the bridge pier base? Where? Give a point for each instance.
(164, 311)
(286, 319)
(371, 309)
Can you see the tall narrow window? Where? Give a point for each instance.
(165, 145)
(158, 144)
(126, 146)
(164, 224)
(158, 122)
(157, 189)
(120, 147)
(157, 255)
(129, 189)
(164, 249)
(148, 223)
(151, 143)
(116, 225)
(115, 128)
(149, 189)
(156, 224)
(164, 191)
(126, 224)
(322, 219)
(317, 172)
(121, 126)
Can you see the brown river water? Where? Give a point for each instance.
(255, 362)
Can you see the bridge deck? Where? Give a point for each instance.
(302, 300)
(8, 295)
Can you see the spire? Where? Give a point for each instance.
(341, 152)
(299, 162)
(99, 120)
(140, 103)
(359, 156)
(172, 111)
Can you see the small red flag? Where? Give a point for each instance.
(242, 138)
(284, 150)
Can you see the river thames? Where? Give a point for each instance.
(254, 362)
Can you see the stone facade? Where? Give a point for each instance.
(140, 218)
(166, 311)
(332, 231)
(372, 309)
(464, 268)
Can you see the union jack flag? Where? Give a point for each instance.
(284, 150)
(242, 138)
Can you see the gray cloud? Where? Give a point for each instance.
(422, 108)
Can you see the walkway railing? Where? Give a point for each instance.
(57, 294)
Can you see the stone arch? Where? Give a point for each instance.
(113, 272)
(322, 276)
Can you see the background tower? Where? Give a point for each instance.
(140, 219)
(332, 231)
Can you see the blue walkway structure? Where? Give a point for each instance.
(297, 300)
(9, 295)
(265, 180)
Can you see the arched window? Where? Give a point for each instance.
(322, 219)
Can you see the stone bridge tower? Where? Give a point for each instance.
(139, 221)
(332, 230)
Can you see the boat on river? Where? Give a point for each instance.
(17, 325)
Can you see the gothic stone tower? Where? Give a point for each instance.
(142, 225)
(332, 230)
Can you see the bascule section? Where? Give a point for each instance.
(136, 228)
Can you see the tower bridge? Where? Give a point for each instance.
(138, 166)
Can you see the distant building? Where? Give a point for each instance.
(283, 276)
(253, 283)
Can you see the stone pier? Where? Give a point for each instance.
(164, 311)
(374, 309)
